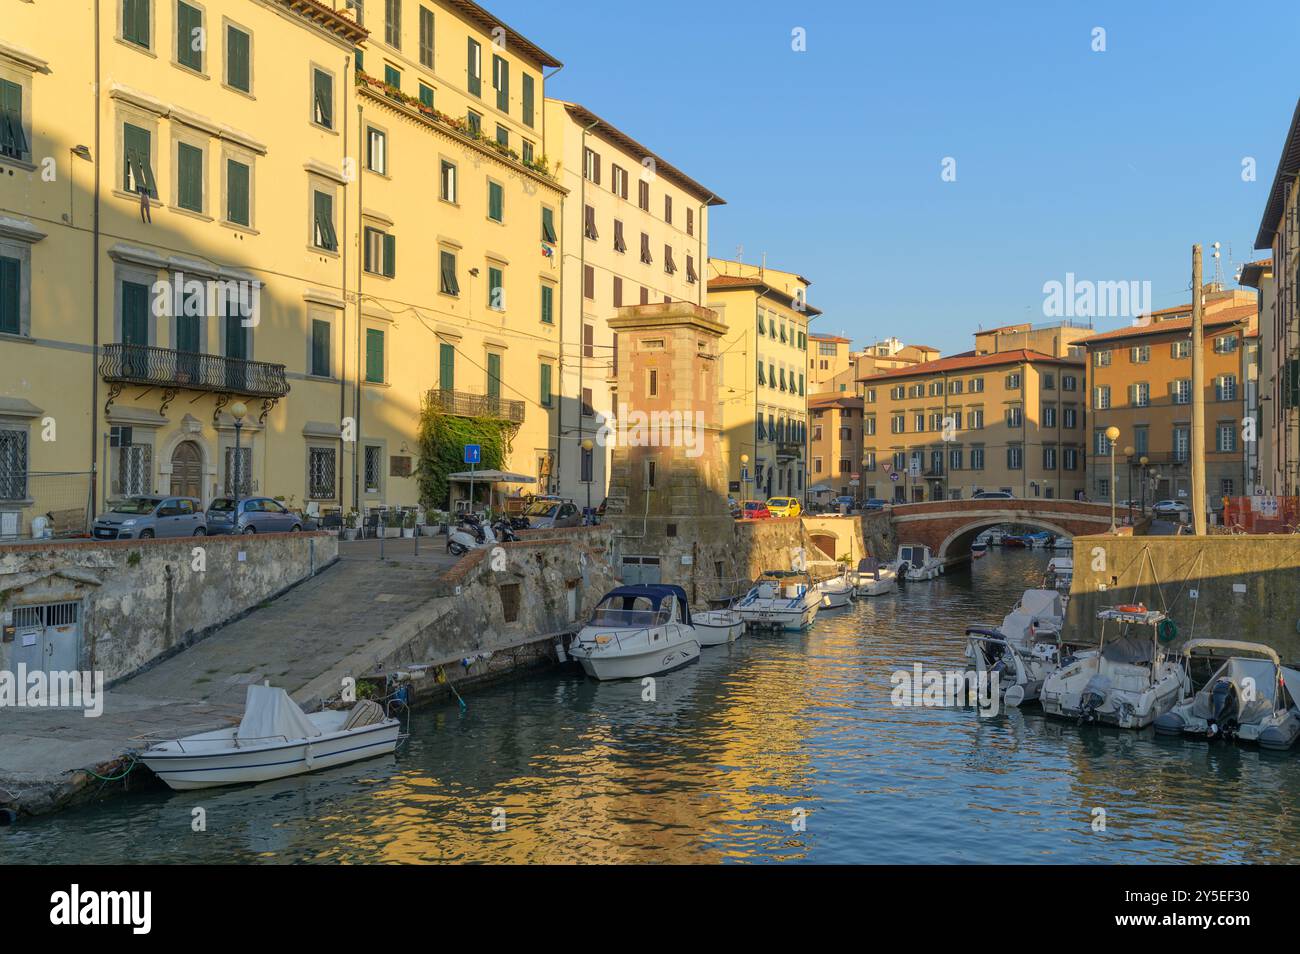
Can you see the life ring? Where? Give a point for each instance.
(1167, 630)
(1131, 608)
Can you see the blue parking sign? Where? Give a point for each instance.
(473, 453)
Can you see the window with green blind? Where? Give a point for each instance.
(189, 36)
(393, 77)
(496, 202)
(375, 355)
(239, 62)
(474, 68)
(426, 37)
(493, 375)
(496, 289)
(548, 304)
(548, 225)
(475, 122)
(135, 313)
(501, 82)
(447, 283)
(503, 135)
(446, 366)
(135, 22)
(137, 161)
(323, 229)
(13, 141)
(189, 177)
(11, 273)
(545, 391)
(236, 338)
(426, 96)
(187, 333)
(528, 103)
(320, 348)
(323, 98)
(238, 193)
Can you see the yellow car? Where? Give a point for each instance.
(784, 507)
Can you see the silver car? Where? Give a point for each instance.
(143, 517)
(251, 515)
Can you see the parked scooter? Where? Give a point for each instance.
(470, 534)
(505, 530)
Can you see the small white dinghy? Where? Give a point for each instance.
(836, 591)
(275, 739)
(718, 627)
(873, 578)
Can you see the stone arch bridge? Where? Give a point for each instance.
(949, 527)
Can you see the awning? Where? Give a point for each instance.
(492, 477)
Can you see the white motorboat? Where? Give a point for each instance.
(275, 739)
(1250, 697)
(718, 627)
(979, 550)
(1024, 649)
(836, 591)
(637, 631)
(1060, 573)
(916, 562)
(781, 599)
(1063, 543)
(1127, 681)
(873, 578)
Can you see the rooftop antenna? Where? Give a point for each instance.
(1218, 267)
(740, 253)
(762, 269)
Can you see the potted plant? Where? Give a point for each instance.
(350, 521)
(392, 524)
(408, 524)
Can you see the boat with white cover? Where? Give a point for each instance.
(1128, 681)
(781, 599)
(1060, 573)
(1251, 696)
(873, 578)
(917, 562)
(1024, 649)
(837, 591)
(637, 631)
(275, 739)
(718, 627)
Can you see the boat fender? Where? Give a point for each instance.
(1167, 631)
(307, 756)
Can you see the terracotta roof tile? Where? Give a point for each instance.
(968, 361)
(1228, 316)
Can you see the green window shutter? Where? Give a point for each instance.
(237, 193)
(238, 59)
(446, 366)
(10, 287)
(546, 386)
(496, 289)
(13, 141)
(801, 385)
(367, 260)
(135, 313)
(426, 37)
(390, 255)
(324, 217)
(135, 21)
(236, 338)
(189, 34)
(136, 164)
(761, 378)
(449, 284)
(393, 77)
(496, 202)
(501, 80)
(528, 100)
(494, 376)
(189, 177)
(548, 226)
(320, 348)
(426, 96)
(375, 355)
(187, 333)
(548, 305)
(475, 84)
(475, 123)
(324, 99)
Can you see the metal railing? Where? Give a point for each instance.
(464, 404)
(163, 367)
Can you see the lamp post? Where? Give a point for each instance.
(587, 445)
(1144, 461)
(744, 479)
(1112, 435)
(238, 410)
(1128, 456)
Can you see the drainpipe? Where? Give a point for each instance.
(343, 325)
(582, 323)
(699, 241)
(94, 286)
(356, 424)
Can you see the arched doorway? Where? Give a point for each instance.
(187, 471)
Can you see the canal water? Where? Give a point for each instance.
(780, 748)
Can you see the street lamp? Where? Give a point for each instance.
(1129, 451)
(744, 477)
(238, 410)
(1112, 435)
(1144, 461)
(587, 445)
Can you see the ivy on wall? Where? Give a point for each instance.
(442, 441)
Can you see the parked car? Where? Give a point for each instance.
(875, 503)
(755, 510)
(251, 515)
(992, 495)
(1170, 508)
(143, 517)
(784, 507)
(551, 513)
(843, 501)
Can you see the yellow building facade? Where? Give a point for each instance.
(266, 203)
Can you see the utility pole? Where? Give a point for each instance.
(1198, 399)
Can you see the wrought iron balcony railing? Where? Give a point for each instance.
(165, 368)
(464, 404)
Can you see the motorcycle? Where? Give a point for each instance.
(505, 531)
(470, 534)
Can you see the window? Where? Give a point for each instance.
(1226, 487)
(320, 473)
(1049, 458)
(670, 267)
(1103, 488)
(1069, 417)
(426, 96)
(1049, 415)
(529, 101)
(496, 201)
(1101, 442)
(448, 180)
(652, 383)
(1101, 359)
(135, 22)
(589, 223)
(496, 288)
(494, 375)
(1225, 344)
(1015, 417)
(13, 464)
(591, 166)
(1139, 354)
(447, 283)
(503, 136)
(1225, 386)
(977, 458)
(323, 230)
(1181, 348)
(1182, 443)
(393, 23)
(588, 410)
(1140, 394)
(11, 274)
(137, 163)
(618, 300)
(501, 82)
(446, 366)
(646, 257)
(377, 150)
(527, 151)
(690, 221)
(474, 68)
(896, 424)
(955, 458)
(1069, 382)
(1013, 382)
(545, 386)
(668, 209)
(374, 355)
(1070, 458)
(475, 122)
(1101, 397)
(426, 37)
(239, 59)
(975, 419)
(323, 98)
(380, 253)
(189, 177)
(189, 36)
(1140, 439)
(1015, 457)
(373, 468)
(620, 244)
(976, 385)
(320, 349)
(588, 341)
(588, 282)
(392, 78)
(13, 139)
(643, 195)
(618, 181)
(1182, 391)
(548, 303)
(1049, 381)
(1227, 437)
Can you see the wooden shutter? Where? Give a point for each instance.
(325, 221)
(375, 355)
(237, 193)
(320, 347)
(189, 184)
(548, 226)
(546, 385)
(426, 37)
(446, 366)
(494, 375)
(10, 301)
(13, 141)
(475, 83)
(548, 304)
(188, 19)
(324, 93)
(135, 313)
(501, 79)
(390, 255)
(238, 72)
(496, 202)
(528, 104)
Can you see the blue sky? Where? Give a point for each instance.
(1108, 164)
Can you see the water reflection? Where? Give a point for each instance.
(726, 757)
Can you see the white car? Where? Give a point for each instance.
(1170, 507)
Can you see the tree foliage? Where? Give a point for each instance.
(442, 443)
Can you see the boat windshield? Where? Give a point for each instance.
(624, 611)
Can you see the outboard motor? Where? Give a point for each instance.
(1093, 698)
(1224, 710)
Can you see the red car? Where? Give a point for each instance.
(755, 510)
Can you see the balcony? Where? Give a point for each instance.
(464, 404)
(124, 364)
